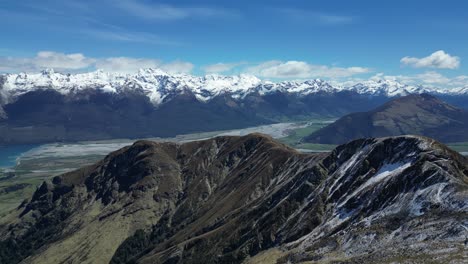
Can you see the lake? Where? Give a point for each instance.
(10, 154)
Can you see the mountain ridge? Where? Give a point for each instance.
(421, 114)
(157, 85)
(54, 107)
(229, 199)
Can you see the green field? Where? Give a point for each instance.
(294, 139)
(14, 191)
(20, 183)
(459, 146)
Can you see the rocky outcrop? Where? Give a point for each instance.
(236, 199)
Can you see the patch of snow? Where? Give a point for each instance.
(384, 173)
(387, 170)
(344, 169)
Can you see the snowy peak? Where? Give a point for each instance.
(158, 85)
(308, 87)
(152, 71)
(48, 72)
(154, 83)
(388, 88)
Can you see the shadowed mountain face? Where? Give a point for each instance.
(414, 114)
(49, 116)
(236, 199)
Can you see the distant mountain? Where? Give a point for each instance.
(160, 87)
(230, 199)
(48, 116)
(413, 114)
(51, 106)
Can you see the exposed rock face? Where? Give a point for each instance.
(414, 114)
(235, 199)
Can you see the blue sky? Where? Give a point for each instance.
(276, 39)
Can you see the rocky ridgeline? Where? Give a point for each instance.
(236, 199)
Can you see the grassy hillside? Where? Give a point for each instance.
(459, 146)
(294, 139)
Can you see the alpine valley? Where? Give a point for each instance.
(233, 132)
(52, 107)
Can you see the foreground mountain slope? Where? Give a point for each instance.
(235, 199)
(413, 114)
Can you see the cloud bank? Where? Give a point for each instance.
(76, 62)
(439, 59)
(301, 69)
(273, 69)
(222, 67)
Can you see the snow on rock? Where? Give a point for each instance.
(388, 88)
(384, 173)
(158, 85)
(154, 83)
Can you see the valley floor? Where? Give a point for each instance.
(40, 162)
(43, 162)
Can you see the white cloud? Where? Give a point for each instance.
(221, 67)
(429, 78)
(117, 34)
(432, 78)
(177, 67)
(167, 12)
(301, 69)
(300, 15)
(87, 19)
(77, 62)
(125, 64)
(438, 59)
(50, 59)
(46, 59)
(459, 81)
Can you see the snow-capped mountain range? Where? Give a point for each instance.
(158, 85)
